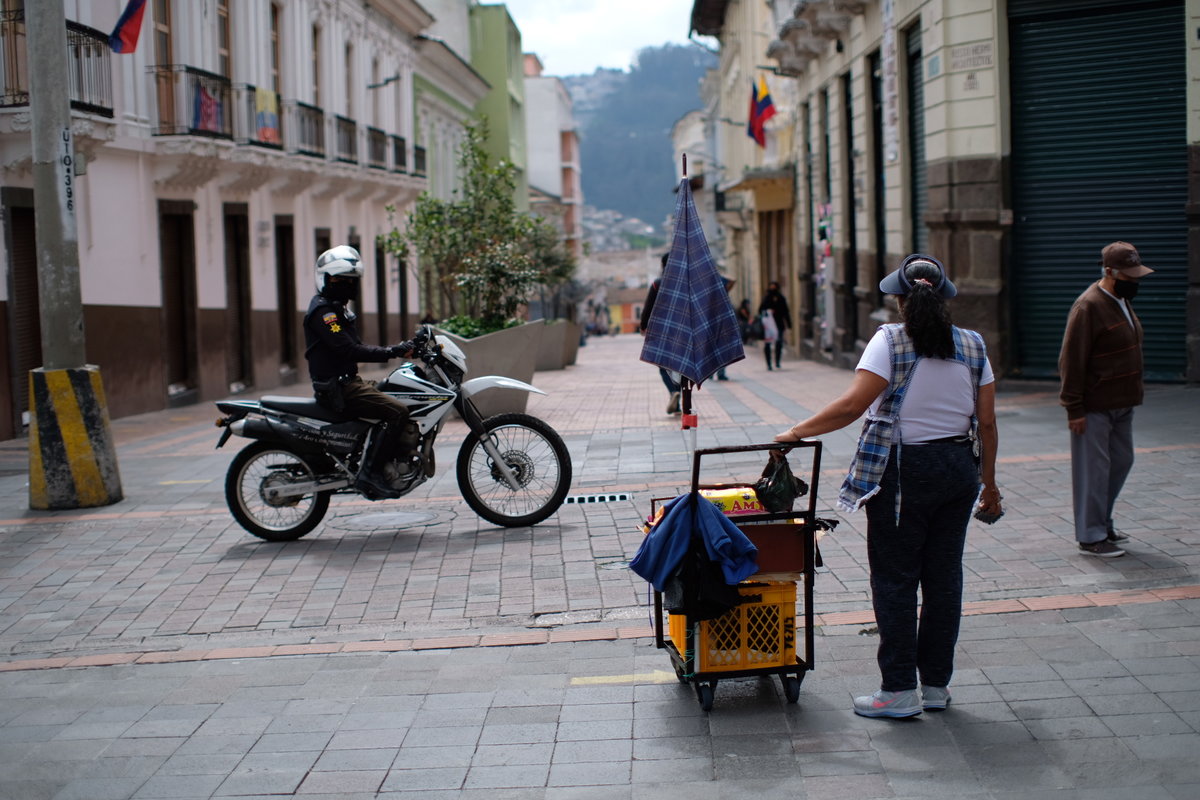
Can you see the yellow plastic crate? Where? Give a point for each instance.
(760, 632)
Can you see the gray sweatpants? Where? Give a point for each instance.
(1100, 461)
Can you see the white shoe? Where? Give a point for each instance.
(935, 698)
(888, 704)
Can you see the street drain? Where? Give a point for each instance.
(597, 498)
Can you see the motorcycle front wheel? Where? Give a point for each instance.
(539, 461)
(253, 472)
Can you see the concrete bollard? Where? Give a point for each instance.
(72, 460)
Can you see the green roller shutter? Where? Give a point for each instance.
(918, 180)
(1099, 154)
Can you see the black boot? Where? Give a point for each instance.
(371, 481)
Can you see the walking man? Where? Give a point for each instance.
(1100, 365)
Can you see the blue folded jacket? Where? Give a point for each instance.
(668, 541)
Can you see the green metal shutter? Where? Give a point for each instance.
(1099, 154)
(918, 183)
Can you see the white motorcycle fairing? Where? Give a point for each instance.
(484, 382)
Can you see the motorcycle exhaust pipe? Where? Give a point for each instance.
(257, 428)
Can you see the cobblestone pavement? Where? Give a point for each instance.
(153, 649)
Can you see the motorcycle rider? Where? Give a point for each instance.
(334, 349)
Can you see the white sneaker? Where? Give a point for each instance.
(935, 698)
(888, 704)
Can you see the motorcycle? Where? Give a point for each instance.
(513, 469)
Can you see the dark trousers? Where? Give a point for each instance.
(671, 384)
(363, 400)
(938, 484)
(777, 346)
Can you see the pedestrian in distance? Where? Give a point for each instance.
(1100, 366)
(778, 304)
(745, 319)
(670, 379)
(729, 282)
(770, 334)
(927, 449)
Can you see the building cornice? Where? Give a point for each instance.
(438, 62)
(410, 15)
(708, 16)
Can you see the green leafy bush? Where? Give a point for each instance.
(470, 327)
(488, 258)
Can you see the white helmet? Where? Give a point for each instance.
(341, 260)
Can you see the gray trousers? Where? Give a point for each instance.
(1100, 461)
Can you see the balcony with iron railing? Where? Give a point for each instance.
(399, 154)
(305, 129)
(257, 119)
(377, 149)
(418, 161)
(347, 140)
(89, 66)
(191, 101)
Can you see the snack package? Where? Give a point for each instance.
(734, 502)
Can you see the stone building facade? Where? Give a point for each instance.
(1003, 136)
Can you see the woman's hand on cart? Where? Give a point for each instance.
(788, 437)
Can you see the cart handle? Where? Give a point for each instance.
(815, 446)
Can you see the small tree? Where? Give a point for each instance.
(488, 257)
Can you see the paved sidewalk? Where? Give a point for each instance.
(153, 649)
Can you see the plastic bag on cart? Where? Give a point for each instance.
(778, 488)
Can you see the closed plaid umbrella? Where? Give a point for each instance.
(692, 328)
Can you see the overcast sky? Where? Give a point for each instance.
(574, 37)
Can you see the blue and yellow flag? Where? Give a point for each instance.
(761, 110)
(266, 116)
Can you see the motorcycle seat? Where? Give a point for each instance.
(301, 406)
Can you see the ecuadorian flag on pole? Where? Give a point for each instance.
(761, 110)
(125, 36)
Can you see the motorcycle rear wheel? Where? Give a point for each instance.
(539, 460)
(256, 468)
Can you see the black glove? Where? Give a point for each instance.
(401, 350)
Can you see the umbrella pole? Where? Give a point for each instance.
(688, 419)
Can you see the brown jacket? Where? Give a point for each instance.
(1101, 358)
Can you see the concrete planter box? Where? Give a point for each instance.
(571, 343)
(552, 352)
(513, 353)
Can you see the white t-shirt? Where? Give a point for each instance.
(940, 399)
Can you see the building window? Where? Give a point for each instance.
(376, 95)
(224, 45)
(316, 65)
(350, 81)
(275, 49)
(162, 32)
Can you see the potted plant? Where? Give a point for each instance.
(486, 260)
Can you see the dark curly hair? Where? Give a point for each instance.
(924, 313)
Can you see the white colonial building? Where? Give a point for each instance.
(239, 140)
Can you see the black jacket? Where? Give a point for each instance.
(779, 307)
(648, 306)
(331, 341)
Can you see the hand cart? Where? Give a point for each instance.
(757, 637)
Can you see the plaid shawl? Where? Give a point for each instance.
(881, 430)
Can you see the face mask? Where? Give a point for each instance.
(1126, 290)
(339, 292)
